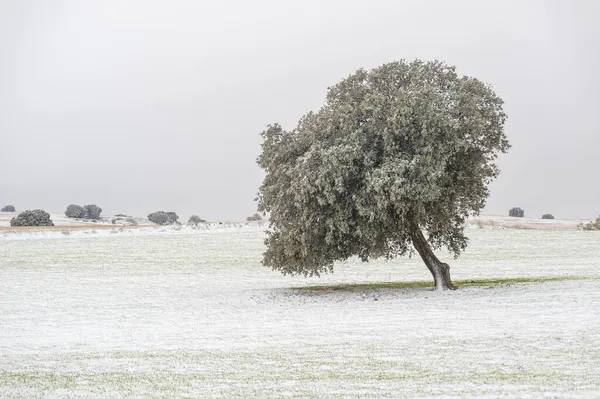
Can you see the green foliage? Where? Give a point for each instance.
(547, 216)
(516, 212)
(8, 208)
(36, 217)
(591, 225)
(399, 147)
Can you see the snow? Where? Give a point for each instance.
(59, 220)
(161, 312)
(494, 221)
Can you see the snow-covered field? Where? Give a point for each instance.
(62, 220)
(192, 313)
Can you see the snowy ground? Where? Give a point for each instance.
(490, 221)
(167, 313)
(59, 220)
(482, 221)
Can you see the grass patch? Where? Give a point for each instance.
(429, 284)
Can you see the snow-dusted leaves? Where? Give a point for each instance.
(401, 145)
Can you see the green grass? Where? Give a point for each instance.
(429, 284)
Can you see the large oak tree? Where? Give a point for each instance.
(397, 158)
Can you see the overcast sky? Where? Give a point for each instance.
(145, 105)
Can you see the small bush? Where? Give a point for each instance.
(124, 220)
(547, 216)
(75, 211)
(195, 219)
(163, 218)
(8, 208)
(37, 217)
(516, 212)
(254, 218)
(591, 225)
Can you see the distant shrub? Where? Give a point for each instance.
(254, 218)
(36, 217)
(547, 216)
(121, 215)
(8, 208)
(75, 211)
(195, 219)
(83, 212)
(92, 211)
(163, 218)
(124, 220)
(591, 225)
(516, 212)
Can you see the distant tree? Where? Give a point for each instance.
(398, 155)
(75, 211)
(83, 212)
(92, 211)
(8, 208)
(547, 216)
(516, 212)
(36, 217)
(159, 217)
(254, 218)
(163, 218)
(195, 219)
(173, 218)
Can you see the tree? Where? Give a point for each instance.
(36, 217)
(8, 208)
(83, 212)
(516, 212)
(159, 217)
(547, 216)
(195, 219)
(92, 211)
(254, 218)
(75, 211)
(163, 218)
(173, 218)
(398, 155)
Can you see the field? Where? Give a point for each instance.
(186, 313)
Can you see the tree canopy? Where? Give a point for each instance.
(402, 149)
(36, 217)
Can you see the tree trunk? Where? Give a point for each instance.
(439, 270)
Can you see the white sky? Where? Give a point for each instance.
(144, 105)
